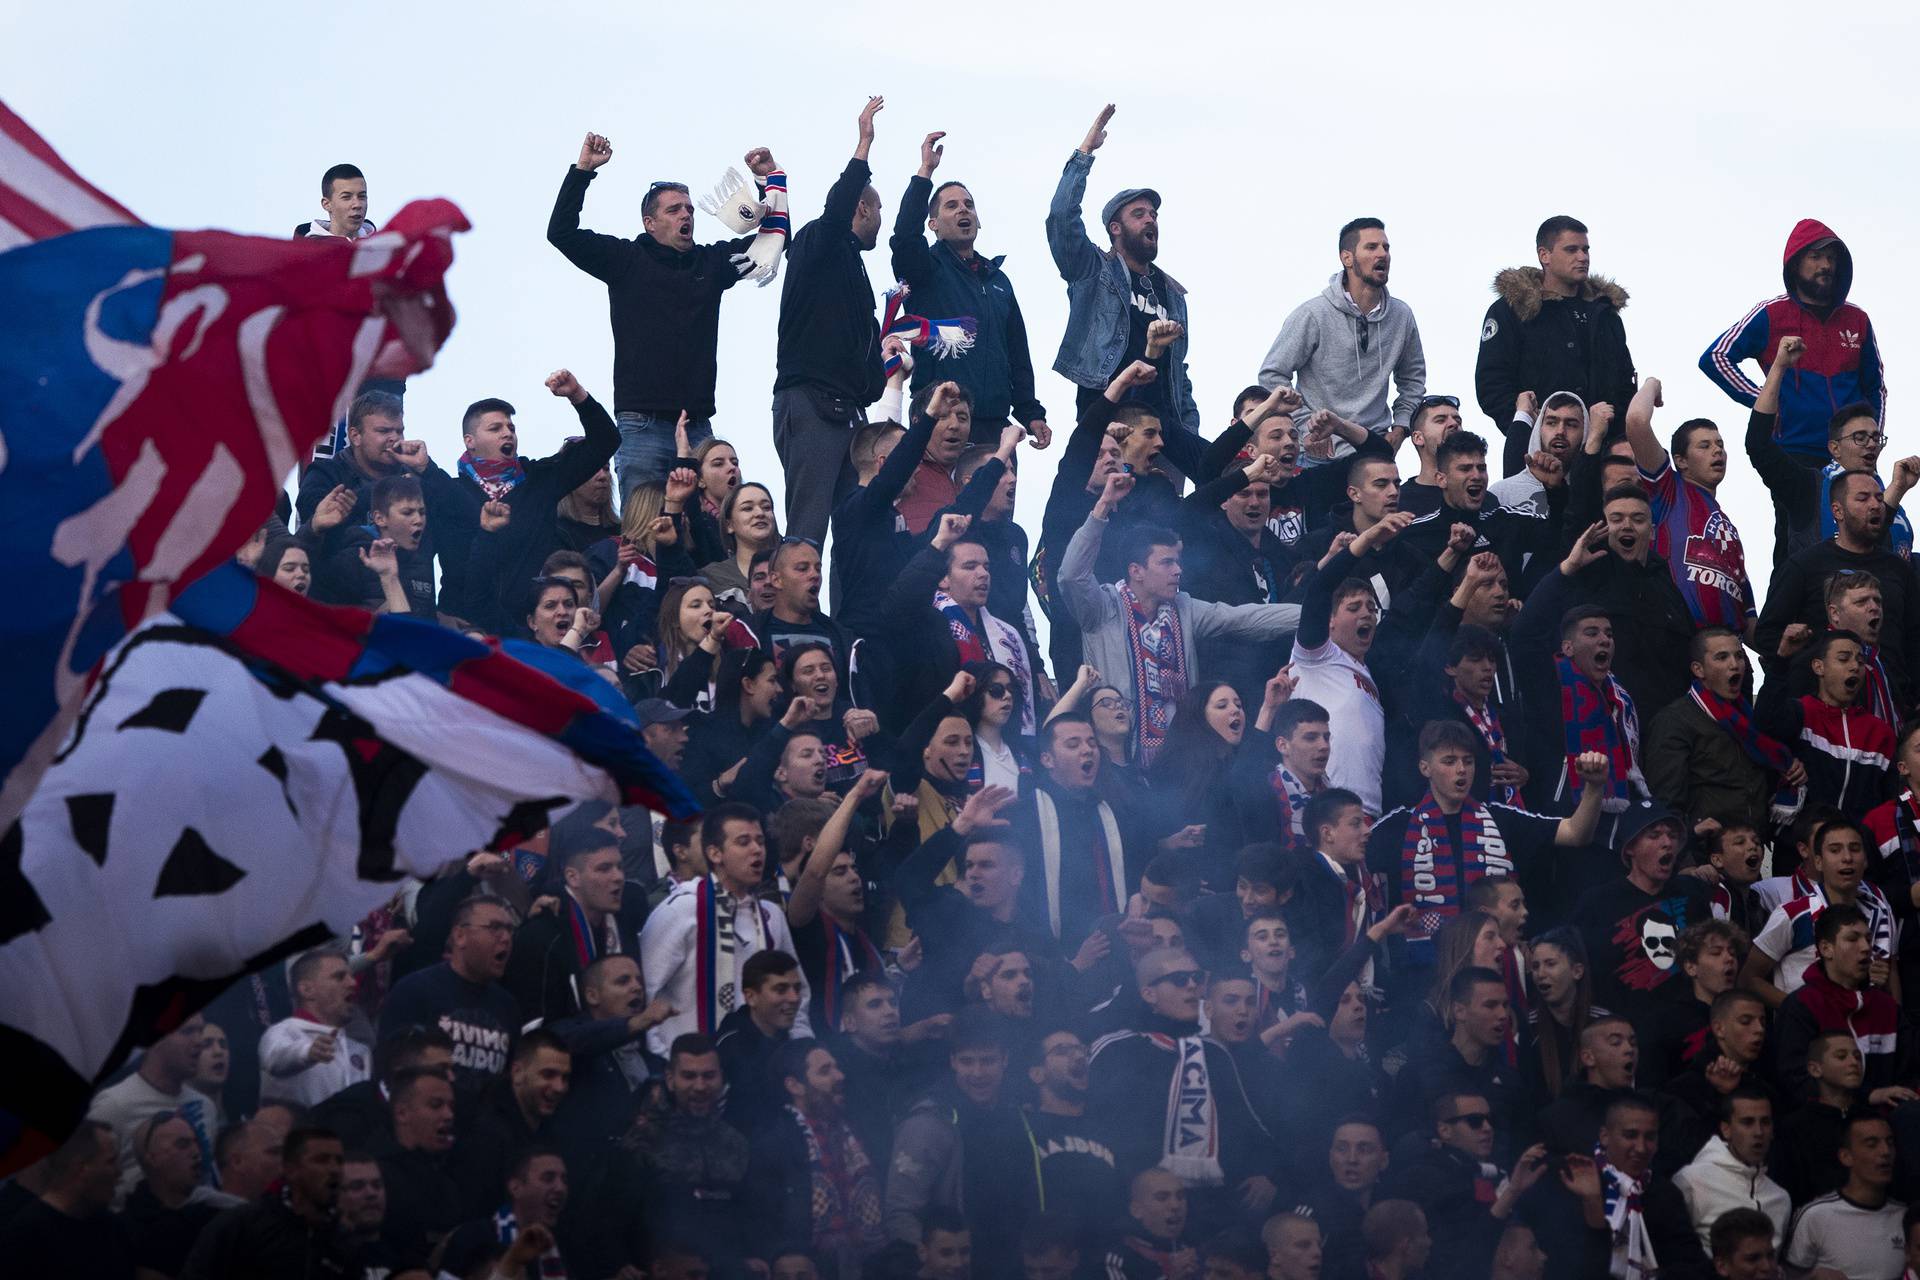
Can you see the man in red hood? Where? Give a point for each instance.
(1841, 366)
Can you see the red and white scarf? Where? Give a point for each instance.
(991, 641)
(1159, 655)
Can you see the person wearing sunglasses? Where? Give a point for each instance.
(1340, 347)
(1855, 441)
(1226, 1161)
(1465, 1196)
(664, 293)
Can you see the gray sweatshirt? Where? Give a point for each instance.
(1320, 353)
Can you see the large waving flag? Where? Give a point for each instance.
(156, 388)
(250, 774)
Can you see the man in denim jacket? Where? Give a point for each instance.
(1113, 296)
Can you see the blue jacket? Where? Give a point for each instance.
(997, 369)
(1098, 293)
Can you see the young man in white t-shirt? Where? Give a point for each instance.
(1856, 1231)
(1338, 620)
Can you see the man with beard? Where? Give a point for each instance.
(1551, 326)
(1842, 359)
(1516, 535)
(595, 918)
(1114, 298)
(510, 1119)
(1631, 924)
(1164, 1055)
(1077, 1171)
(1858, 545)
(1700, 544)
(1153, 1242)
(951, 278)
(812, 1181)
(528, 1222)
(293, 1232)
(423, 1200)
(1612, 565)
(1559, 432)
(462, 996)
(1704, 757)
(829, 367)
(1339, 348)
(494, 475)
(1854, 443)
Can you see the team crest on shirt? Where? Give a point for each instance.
(1714, 557)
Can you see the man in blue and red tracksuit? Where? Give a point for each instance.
(1842, 361)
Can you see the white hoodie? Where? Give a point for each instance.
(286, 1074)
(1717, 1181)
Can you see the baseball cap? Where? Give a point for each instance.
(1126, 198)
(1638, 818)
(658, 711)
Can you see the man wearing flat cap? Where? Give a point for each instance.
(1117, 296)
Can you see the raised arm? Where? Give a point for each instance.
(1576, 829)
(1073, 253)
(1647, 451)
(596, 254)
(1784, 477)
(1076, 577)
(912, 256)
(804, 905)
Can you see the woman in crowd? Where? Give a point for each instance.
(691, 633)
(1187, 780)
(287, 562)
(586, 516)
(747, 527)
(746, 685)
(1005, 756)
(650, 550)
(1561, 1008)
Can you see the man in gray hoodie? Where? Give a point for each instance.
(1339, 348)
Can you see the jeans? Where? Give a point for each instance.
(647, 447)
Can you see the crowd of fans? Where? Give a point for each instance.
(1385, 870)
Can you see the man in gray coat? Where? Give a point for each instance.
(1143, 633)
(1339, 347)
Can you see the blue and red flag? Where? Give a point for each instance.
(156, 389)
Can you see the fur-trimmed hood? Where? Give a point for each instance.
(1520, 286)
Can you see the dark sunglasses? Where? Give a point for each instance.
(1183, 977)
(999, 690)
(1434, 402)
(694, 581)
(664, 185)
(1476, 1120)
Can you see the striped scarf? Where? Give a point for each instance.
(716, 966)
(1434, 875)
(506, 1229)
(1737, 719)
(497, 477)
(845, 1205)
(1875, 690)
(1620, 1201)
(1292, 795)
(1159, 655)
(941, 338)
(1906, 819)
(849, 951)
(1487, 721)
(1603, 720)
(586, 947)
(991, 641)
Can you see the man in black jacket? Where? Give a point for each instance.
(485, 574)
(1508, 532)
(510, 1120)
(595, 917)
(1551, 328)
(829, 367)
(1448, 1171)
(663, 293)
(950, 279)
(288, 1232)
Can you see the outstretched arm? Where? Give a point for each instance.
(804, 905)
(596, 254)
(1073, 252)
(1647, 451)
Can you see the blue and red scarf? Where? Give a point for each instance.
(1159, 655)
(1600, 718)
(1487, 722)
(849, 951)
(707, 952)
(1876, 694)
(942, 338)
(1434, 875)
(497, 477)
(1737, 719)
(586, 947)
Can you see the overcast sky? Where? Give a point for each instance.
(1687, 137)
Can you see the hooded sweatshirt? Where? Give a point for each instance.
(1340, 359)
(1842, 360)
(1521, 489)
(1718, 1180)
